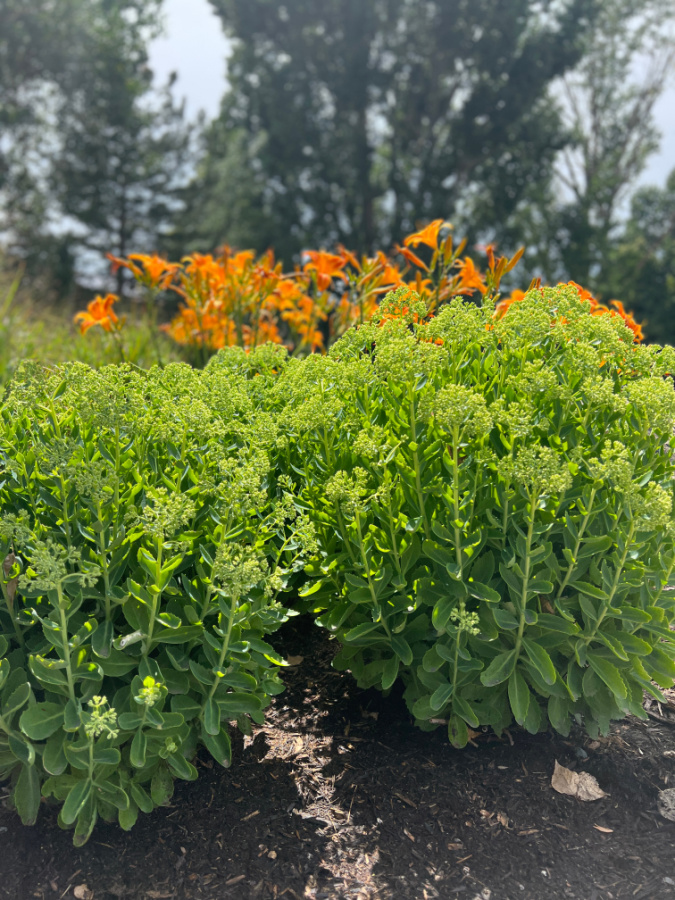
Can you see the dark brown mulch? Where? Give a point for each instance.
(339, 796)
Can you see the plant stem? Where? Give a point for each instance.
(615, 584)
(416, 466)
(64, 645)
(64, 510)
(366, 569)
(151, 315)
(392, 530)
(224, 648)
(534, 497)
(577, 544)
(157, 598)
(455, 497)
(103, 559)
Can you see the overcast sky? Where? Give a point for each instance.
(195, 47)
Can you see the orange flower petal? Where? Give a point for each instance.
(427, 236)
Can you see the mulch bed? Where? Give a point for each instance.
(339, 796)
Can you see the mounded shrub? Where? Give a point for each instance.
(145, 543)
(481, 504)
(493, 499)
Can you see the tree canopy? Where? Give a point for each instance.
(350, 121)
(96, 155)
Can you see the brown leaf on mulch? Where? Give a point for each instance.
(577, 784)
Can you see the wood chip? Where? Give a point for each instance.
(604, 830)
(234, 880)
(404, 799)
(250, 816)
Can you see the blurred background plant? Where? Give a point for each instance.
(28, 330)
(237, 300)
(341, 125)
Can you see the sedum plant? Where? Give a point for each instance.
(145, 542)
(493, 501)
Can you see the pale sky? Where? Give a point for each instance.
(195, 47)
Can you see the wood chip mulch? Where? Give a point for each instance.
(339, 796)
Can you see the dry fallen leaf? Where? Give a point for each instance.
(604, 830)
(577, 784)
(294, 660)
(666, 804)
(82, 892)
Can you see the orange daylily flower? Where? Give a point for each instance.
(99, 312)
(489, 250)
(349, 256)
(410, 257)
(427, 236)
(503, 305)
(327, 267)
(237, 263)
(390, 272)
(470, 278)
(629, 321)
(584, 294)
(152, 271)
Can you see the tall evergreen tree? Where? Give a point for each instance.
(98, 165)
(350, 121)
(33, 58)
(35, 55)
(124, 147)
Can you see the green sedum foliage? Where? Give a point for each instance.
(482, 507)
(145, 543)
(493, 500)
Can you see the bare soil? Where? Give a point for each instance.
(339, 796)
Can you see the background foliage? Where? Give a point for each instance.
(341, 121)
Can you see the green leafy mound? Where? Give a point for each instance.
(145, 542)
(480, 506)
(493, 499)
